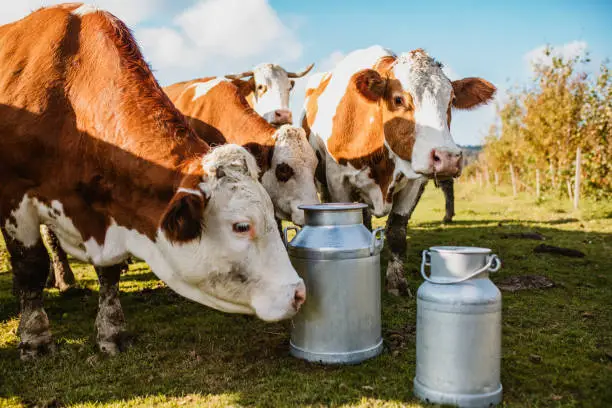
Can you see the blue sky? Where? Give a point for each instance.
(185, 39)
(486, 38)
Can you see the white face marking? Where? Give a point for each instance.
(292, 150)
(202, 88)
(276, 82)
(431, 92)
(85, 9)
(234, 272)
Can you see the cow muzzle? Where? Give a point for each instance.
(445, 164)
(281, 117)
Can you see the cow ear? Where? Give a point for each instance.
(245, 88)
(182, 220)
(370, 84)
(471, 92)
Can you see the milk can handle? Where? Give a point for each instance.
(375, 241)
(493, 265)
(285, 231)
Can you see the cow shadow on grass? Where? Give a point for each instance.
(184, 349)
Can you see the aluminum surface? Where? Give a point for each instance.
(458, 339)
(339, 260)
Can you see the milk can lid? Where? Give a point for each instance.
(333, 206)
(460, 249)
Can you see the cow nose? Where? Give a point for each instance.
(445, 163)
(283, 117)
(299, 297)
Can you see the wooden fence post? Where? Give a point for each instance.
(569, 190)
(537, 183)
(577, 180)
(513, 178)
(496, 179)
(487, 176)
(552, 175)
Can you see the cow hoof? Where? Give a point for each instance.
(64, 287)
(403, 290)
(114, 347)
(396, 282)
(32, 350)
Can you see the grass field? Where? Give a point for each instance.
(557, 343)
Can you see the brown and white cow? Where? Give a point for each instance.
(91, 146)
(380, 123)
(267, 90)
(220, 114)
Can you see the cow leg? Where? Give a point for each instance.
(397, 229)
(110, 322)
(448, 189)
(279, 225)
(30, 269)
(61, 275)
(367, 218)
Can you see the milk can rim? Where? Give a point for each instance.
(333, 206)
(460, 249)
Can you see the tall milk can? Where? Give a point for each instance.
(339, 260)
(458, 337)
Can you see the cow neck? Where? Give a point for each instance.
(133, 113)
(361, 146)
(135, 146)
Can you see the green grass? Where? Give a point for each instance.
(189, 355)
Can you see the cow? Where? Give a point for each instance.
(380, 125)
(267, 89)
(219, 114)
(91, 146)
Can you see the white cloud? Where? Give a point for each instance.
(567, 51)
(218, 36)
(132, 11)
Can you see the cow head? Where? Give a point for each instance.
(290, 179)
(267, 90)
(219, 237)
(415, 98)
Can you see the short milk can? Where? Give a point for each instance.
(458, 335)
(339, 260)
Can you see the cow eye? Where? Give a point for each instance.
(262, 88)
(291, 84)
(241, 227)
(399, 100)
(284, 172)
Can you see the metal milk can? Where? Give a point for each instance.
(458, 337)
(339, 260)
